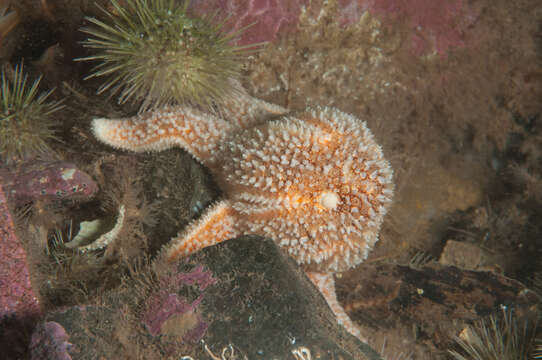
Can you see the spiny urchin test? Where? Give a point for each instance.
(25, 122)
(504, 337)
(153, 52)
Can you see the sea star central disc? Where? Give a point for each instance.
(317, 183)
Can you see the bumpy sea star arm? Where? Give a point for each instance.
(197, 132)
(216, 225)
(244, 111)
(326, 284)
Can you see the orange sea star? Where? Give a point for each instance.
(316, 181)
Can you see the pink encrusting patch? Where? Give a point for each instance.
(16, 295)
(167, 303)
(436, 26)
(268, 17)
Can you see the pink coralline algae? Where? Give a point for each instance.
(46, 180)
(16, 294)
(436, 26)
(267, 18)
(167, 304)
(50, 341)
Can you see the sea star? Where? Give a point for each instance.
(316, 181)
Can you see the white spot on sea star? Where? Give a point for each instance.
(329, 200)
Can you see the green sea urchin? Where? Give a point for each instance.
(25, 122)
(155, 53)
(506, 337)
(537, 354)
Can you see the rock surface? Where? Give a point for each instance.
(258, 302)
(426, 307)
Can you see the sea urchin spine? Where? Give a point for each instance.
(25, 123)
(156, 54)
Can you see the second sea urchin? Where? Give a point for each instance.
(507, 336)
(153, 52)
(25, 122)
